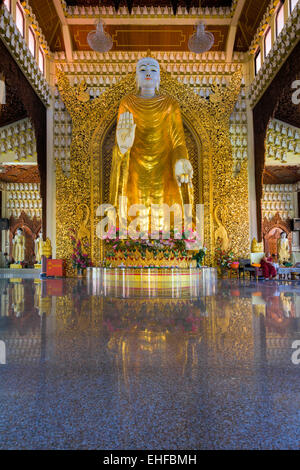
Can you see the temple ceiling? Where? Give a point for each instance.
(249, 21)
(281, 174)
(161, 3)
(165, 35)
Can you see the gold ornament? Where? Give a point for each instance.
(221, 232)
(83, 232)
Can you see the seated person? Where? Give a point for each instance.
(268, 267)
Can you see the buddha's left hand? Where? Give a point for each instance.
(183, 172)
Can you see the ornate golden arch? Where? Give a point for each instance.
(209, 120)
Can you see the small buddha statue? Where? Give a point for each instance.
(38, 246)
(47, 248)
(257, 247)
(283, 249)
(19, 246)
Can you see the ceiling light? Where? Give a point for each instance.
(201, 41)
(99, 40)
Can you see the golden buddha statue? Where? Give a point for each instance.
(47, 248)
(283, 249)
(18, 251)
(257, 247)
(150, 164)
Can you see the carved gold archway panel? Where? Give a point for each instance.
(210, 121)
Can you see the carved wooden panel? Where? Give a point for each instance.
(31, 228)
(271, 233)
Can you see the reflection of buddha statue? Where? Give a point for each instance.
(19, 246)
(283, 249)
(18, 299)
(38, 247)
(37, 294)
(150, 162)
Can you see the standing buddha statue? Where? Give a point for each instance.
(150, 164)
(283, 249)
(19, 246)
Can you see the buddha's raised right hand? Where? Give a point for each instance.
(125, 132)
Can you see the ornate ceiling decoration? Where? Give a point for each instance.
(142, 38)
(52, 18)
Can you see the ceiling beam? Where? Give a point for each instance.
(65, 30)
(233, 29)
(212, 21)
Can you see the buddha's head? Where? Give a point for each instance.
(147, 74)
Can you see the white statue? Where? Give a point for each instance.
(283, 249)
(38, 246)
(19, 246)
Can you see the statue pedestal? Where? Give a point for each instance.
(15, 266)
(149, 260)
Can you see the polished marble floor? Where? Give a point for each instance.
(102, 364)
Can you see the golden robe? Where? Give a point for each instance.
(145, 173)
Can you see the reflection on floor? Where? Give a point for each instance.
(92, 364)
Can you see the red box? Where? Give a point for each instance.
(55, 267)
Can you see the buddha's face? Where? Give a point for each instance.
(147, 73)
